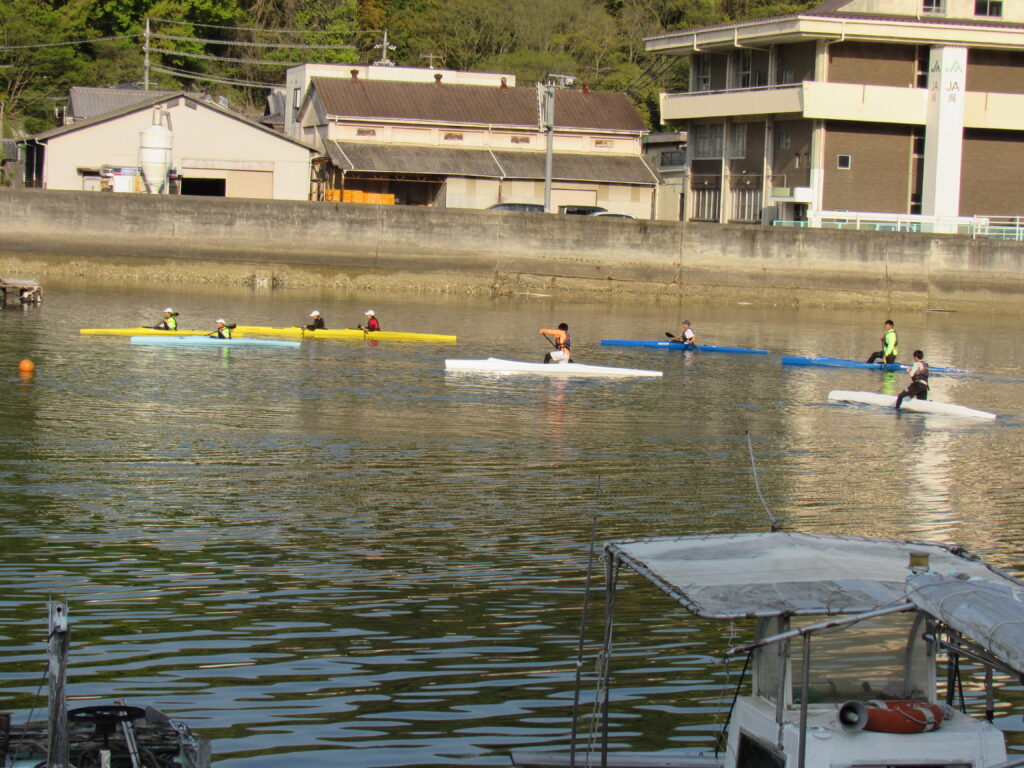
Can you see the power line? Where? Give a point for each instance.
(208, 57)
(193, 76)
(68, 42)
(266, 29)
(182, 38)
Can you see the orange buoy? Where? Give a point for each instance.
(899, 716)
(26, 366)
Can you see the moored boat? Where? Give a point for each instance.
(837, 362)
(908, 404)
(496, 365)
(136, 332)
(678, 345)
(822, 694)
(210, 341)
(352, 334)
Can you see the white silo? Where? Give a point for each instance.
(155, 144)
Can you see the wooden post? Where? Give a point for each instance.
(58, 640)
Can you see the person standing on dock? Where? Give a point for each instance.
(686, 336)
(169, 323)
(372, 323)
(889, 348)
(223, 330)
(559, 338)
(317, 323)
(918, 380)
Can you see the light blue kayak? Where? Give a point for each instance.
(681, 346)
(210, 341)
(838, 362)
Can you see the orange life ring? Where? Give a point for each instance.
(902, 716)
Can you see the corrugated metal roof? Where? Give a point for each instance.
(85, 102)
(473, 104)
(482, 163)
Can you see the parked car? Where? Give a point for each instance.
(610, 215)
(528, 207)
(581, 210)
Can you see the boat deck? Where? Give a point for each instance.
(27, 291)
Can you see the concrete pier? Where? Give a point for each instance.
(351, 246)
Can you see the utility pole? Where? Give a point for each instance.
(546, 123)
(57, 730)
(145, 50)
(430, 58)
(385, 46)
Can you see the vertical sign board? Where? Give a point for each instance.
(944, 131)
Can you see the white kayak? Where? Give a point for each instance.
(495, 365)
(908, 404)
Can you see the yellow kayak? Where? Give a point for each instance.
(138, 332)
(343, 333)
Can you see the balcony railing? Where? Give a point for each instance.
(986, 227)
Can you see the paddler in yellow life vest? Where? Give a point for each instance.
(169, 323)
(559, 337)
(889, 348)
(223, 331)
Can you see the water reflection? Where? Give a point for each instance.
(346, 554)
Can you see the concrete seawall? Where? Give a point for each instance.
(212, 240)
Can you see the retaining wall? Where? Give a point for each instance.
(188, 239)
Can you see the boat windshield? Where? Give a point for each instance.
(882, 658)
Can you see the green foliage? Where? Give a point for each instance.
(600, 42)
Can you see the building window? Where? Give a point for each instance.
(453, 137)
(844, 162)
(296, 98)
(366, 131)
(520, 139)
(603, 144)
(746, 205)
(933, 6)
(785, 75)
(707, 142)
(739, 141)
(701, 73)
(673, 158)
(988, 7)
(917, 139)
(783, 138)
(744, 69)
(923, 54)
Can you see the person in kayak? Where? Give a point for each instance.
(918, 380)
(317, 323)
(686, 336)
(559, 337)
(223, 331)
(889, 348)
(169, 323)
(372, 323)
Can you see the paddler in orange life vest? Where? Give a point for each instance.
(372, 323)
(918, 386)
(559, 337)
(169, 323)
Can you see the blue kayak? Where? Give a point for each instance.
(681, 346)
(838, 362)
(210, 341)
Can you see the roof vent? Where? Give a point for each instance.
(437, 78)
(504, 83)
(586, 88)
(354, 73)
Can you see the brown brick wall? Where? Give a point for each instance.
(879, 177)
(991, 181)
(873, 64)
(995, 71)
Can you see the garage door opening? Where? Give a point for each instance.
(204, 187)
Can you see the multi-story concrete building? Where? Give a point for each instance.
(910, 108)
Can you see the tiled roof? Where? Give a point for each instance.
(482, 163)
(473, 104)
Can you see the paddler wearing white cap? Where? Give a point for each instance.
(222, 331)
(169, 323)
(372, 323)
(318, 321)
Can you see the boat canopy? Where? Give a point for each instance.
(989, 612)
(732, 576)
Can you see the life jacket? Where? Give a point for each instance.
(224, 333)
(886, 341)
(171, 323)
(373, 324)
(922, 375)
(561, 338)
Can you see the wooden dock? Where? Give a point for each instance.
(26, 291)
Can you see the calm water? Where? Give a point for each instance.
(343, 552)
